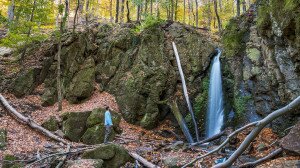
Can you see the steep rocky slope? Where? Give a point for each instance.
(262, 56)
(138, 68)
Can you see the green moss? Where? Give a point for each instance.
(8, 162)
(3, 140)
(239, 105)
(148, 23)
(233, 38)
(51, 124)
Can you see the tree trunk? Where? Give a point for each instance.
(66, 14)
(128, 11)
(176, 10)
(117, 11)
(138, 12)
(76, 13)
(146, 8)
(10, 11)
(110, 11)
(189, 11)
(143, 160)
(238, 5)
(184, 4)
(122, 11)
(220, 5)
(197, 15)
(244, 6)
(217, 15)
(172, 10)
(151, 7)
(260, 125)
(87, 13)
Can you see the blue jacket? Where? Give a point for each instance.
(107, 119)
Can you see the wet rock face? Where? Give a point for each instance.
(140, 70)
(269, 62)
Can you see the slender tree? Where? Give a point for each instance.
(238, 5)
(110, 11)
(117, 11)
(220, 5)
(176, 10)
(122, 11)
(128, 11)
(87, 5)
(75, 16)
(10, 11)
(217, 15)
(244, 6)
(197, 15)
(184, 4)
(151, 7)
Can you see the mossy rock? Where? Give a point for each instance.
(95, 135)
(25, 82)
(97, 117)
(104, 151)
(3, 139)
(81, 86)
(52, 124)
(74, 124)
(49, 97)
(8, 162)
(114, 156)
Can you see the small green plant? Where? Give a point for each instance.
(239, 104)
(150, 21)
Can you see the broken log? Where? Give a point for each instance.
(29, 122)
(143, 160)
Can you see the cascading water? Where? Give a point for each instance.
(215, 111)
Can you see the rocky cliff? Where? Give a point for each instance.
(139, 69)
(262, 57)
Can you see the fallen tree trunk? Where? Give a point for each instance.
(257, 162)
(25, 120)
(259, 126)
(143, 161)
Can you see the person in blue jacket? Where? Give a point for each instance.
(107, 123)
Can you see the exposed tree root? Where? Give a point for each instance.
(143, 161)
(259, 161)
(217, 136)
(259, 125)
(26, 120)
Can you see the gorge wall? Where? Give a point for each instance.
(262, 60)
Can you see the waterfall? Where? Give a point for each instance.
(215, 111)
(185, 92)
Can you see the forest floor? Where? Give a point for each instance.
(154, 145)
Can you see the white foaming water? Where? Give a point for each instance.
(215, 111)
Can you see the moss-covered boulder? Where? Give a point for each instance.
(74, 124)
(95, 134)
(52, 124)
(25, 82)
(2, 138)
(113, 155)
(81, 86)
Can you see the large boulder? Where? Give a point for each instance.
(81, 86)
(113, 155)
(74, 124)
(291, 142)
(25, 82)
